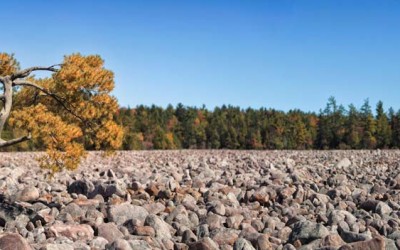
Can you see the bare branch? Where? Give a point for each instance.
(47, 92)
(4, 143)
(26, 72)
(7, 101)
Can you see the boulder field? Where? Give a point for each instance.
(204, 199)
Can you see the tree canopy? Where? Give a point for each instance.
(230, 127)
(66, 112)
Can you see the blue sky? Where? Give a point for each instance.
(280, 54)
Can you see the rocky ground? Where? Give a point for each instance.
(204, 200)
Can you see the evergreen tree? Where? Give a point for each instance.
(395, 128)
(383, 131)
(367, 120)
(353, 128)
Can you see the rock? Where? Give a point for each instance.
(343, 163)
(154, 208)
(161, 228)
(123, 212)
(144, 231)
(45, 216)
(321, 197)
(13, 241)
(98, 243)
(395, 183)
(307, 231)
(224, 237)
(219, 209)
(119, 244)
(234, 221)
(233, 201)
(109, 231)
(373, 244)
(390, 244)
(250, 234)
(286, 192)
(152, 189)
(349, 236)
(337, 216)
(108, 190)
(122, 244)
(383, 209)
(258, 225)
(369, 205)
(74, 210)
(263, 242)
(284, 233)
(139, 245)
(188, 237)
(86, 203)
(395, 235)
(204, 244)
(290, 162)
(189, 202)
(243, 244)
(73, 232)
(84, 187)
(214, 221)
(311, 245)
(332, 240)
(168, 244)
(40, 238)
(180, 246)
(289, 247)
(202, 231)
(274, 240)
(261, 195)
(62, 246)
(28, 194)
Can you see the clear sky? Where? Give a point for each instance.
(280, 54)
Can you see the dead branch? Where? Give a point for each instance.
(47, 92)
(4, 143)
(26, 72)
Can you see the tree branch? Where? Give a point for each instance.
(47, 92)
(4, 143)
(26, 72)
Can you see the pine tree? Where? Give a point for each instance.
(369, 127)
(395, 127)
(383, 131)
(353, 129)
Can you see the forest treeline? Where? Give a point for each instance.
(229, 127)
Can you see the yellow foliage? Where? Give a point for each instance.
(170, 139)
(110, 135)
(57, 135)
(8, 64)
(81, 114)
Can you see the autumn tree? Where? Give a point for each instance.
(296, 131)
(67, 111)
